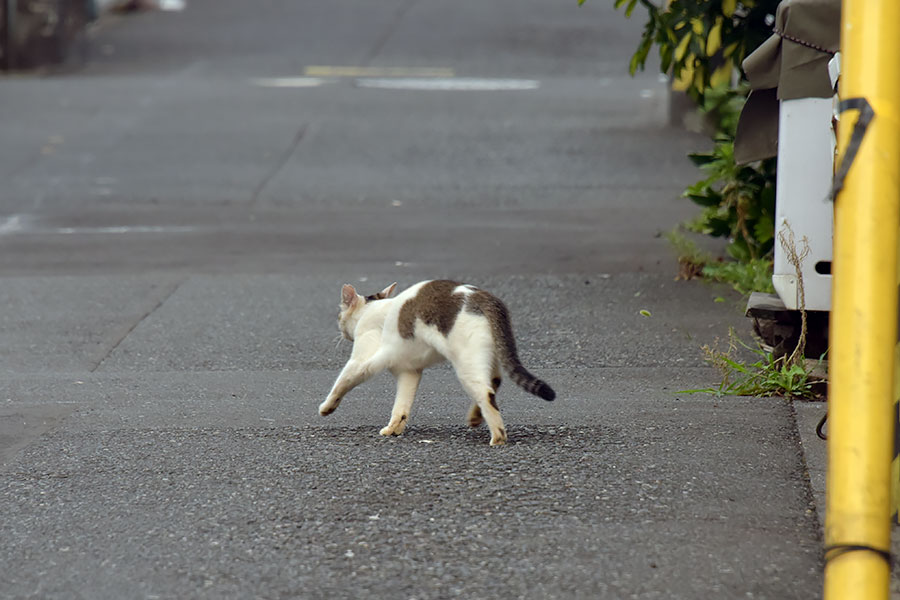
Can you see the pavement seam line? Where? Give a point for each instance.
(282, 161)
(173, 287)
(391, 30)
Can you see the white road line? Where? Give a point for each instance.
(23, 224)
(119, 230)
(449, 83)
(350, 71)
(289, 82)
(425, 82)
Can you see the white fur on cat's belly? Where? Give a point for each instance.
(412, 355)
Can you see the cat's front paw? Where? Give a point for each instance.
(328, 407)
(395, 427)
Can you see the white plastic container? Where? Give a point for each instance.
(802, 200)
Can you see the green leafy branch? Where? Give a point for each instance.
(700, 42)
(737, 201)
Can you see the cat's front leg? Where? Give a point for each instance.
(407, 385)
(341, 386)
(354, 373)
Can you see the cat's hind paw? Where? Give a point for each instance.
(475, 419)
(498, 438)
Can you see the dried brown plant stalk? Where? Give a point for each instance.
(789, 244)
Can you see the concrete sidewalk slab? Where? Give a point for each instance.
(815, 456)
(815, 451)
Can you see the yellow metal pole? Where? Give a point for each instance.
(864, 308)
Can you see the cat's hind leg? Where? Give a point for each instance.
(486, 401)
(407, 385)
(475, 417)
(484, 398)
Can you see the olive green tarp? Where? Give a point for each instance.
(791, 64)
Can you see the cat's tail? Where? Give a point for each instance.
(530, 383)
(496, 313)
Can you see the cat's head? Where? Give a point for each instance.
(353, 305)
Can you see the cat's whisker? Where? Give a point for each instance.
(337, 341)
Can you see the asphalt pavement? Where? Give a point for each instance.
(177, 216)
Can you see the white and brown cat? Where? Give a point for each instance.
(428, 323)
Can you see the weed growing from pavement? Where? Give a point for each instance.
(789, 375)
(754, 275)
(765, 376)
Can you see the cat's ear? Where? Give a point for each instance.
(349, 297)
(386, 292)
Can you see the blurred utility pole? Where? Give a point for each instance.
(38, 33)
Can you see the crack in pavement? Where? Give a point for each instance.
(389, 33)
(169, 290)
(282, 161)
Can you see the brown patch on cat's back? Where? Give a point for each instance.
(484, 303)
(491, 307)
(434, 304)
